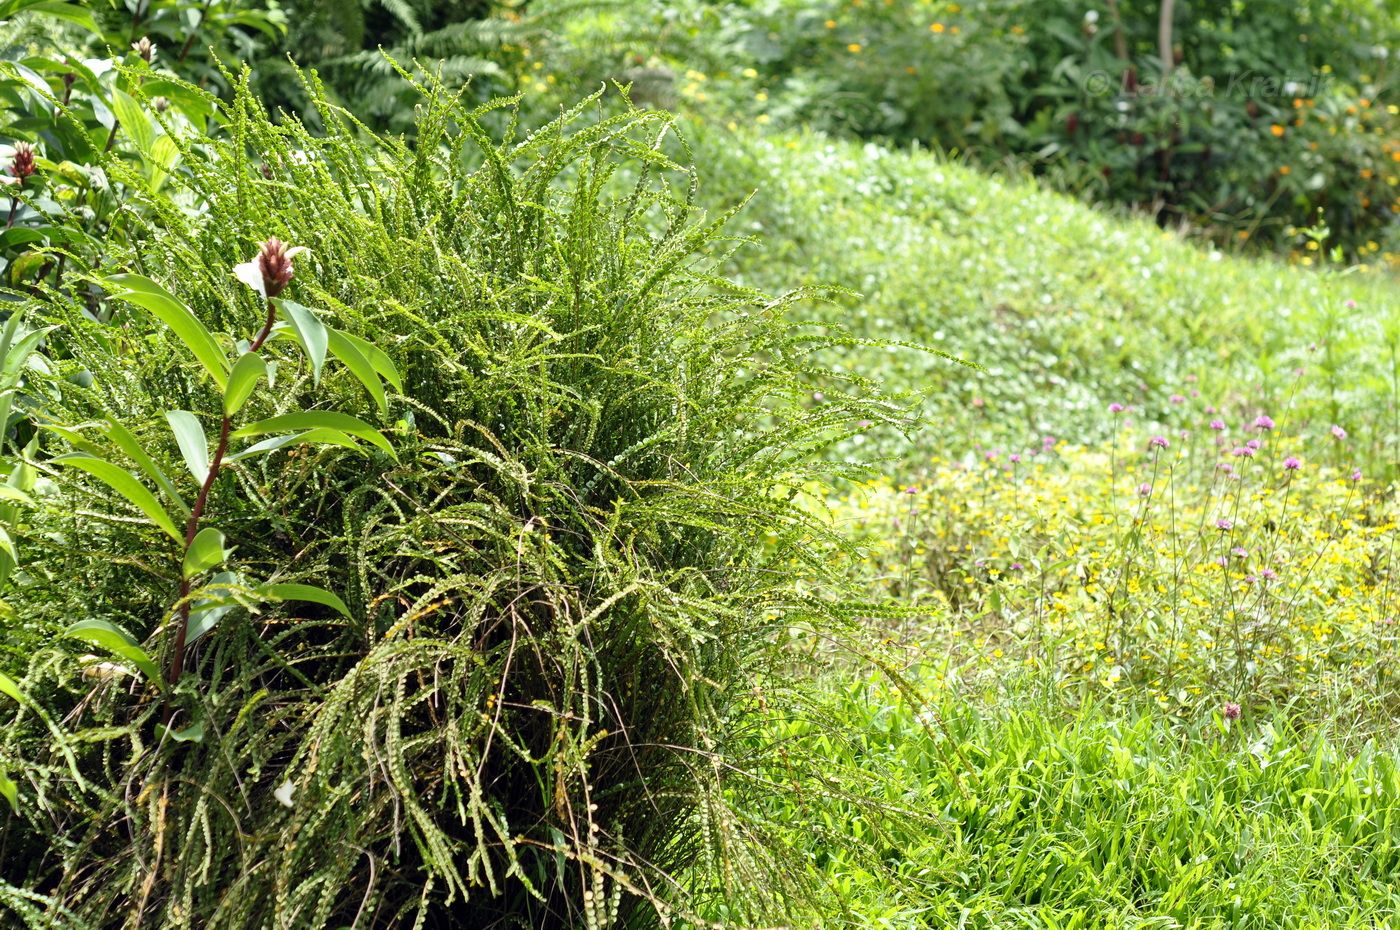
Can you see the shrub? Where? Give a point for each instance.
(563, 594)
(1268, 114)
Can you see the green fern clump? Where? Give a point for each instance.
(567, 589)
(353, 44)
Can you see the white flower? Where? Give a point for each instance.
(251, 275)
(283, 794)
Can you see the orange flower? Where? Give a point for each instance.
(936, 27)
(1276, 129)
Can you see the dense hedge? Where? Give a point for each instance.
(1271, 114)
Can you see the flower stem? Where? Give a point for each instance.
(182, 618)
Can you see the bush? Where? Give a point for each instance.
(564, 593)
(1270, 113)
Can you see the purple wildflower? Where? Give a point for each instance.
(1225, 524)
(1231, 710)
(1263, 422)
(1159, 442)
(1338, 433)
(1217, 425)
(1116, 407)
(1291, 464)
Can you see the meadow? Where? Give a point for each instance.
(1149, 547)
(723, 501)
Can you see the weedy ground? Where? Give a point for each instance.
(1147, 677)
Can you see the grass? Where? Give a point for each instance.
(1065, 307)
(1069, 748)
(1072, 814)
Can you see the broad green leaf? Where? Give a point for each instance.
(59, 9)
(316, 420)
(305, 592)
(194, 447)
(194, 733)
(10, 792)
(15, 494)
(144, 292)
(194, 103)
(309, 331)
(29, 263)
(206, 551)
(9, 688)
(129, 444)
(133, 122)
(117, 641)
(125, 484)
(76, 439)
(360, 367)
(42, 93)
(324, 437)
(206, 611)
(164, 154)
(241, 381)
(379, 359)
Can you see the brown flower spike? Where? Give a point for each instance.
(270, 271)
(275, 264)
(23, 164)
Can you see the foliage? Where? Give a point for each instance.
(1203, 570)
(1268, 114)
(1061, 305)
(96, 131)
(1065, 812)
(354, 44)
(559, 604)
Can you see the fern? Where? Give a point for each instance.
(568, 594)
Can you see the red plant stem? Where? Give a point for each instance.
(194, 31)
(182, 620)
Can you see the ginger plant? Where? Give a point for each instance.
(206, 594)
